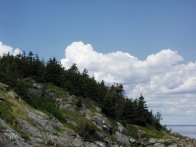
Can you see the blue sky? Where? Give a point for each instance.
(149, 46)
(139, 27)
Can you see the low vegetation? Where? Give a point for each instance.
(111, 99)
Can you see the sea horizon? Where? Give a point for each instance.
(188, 130)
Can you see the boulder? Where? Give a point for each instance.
(122, 139)
(53, 125)
(98, 109)
(13, 136)
(67, 106)
(101, 122)
(71, 122)
(4, 141)
(36, 91)
(37, 86)
(3, 87)
(100, 144)
(77, 142)
(90, 144)
(152, 141)
(42, 121)
(70, 138)
(50, 94)
(13, 94)
(173, 145)
(121, 128)
(72, 99)
(132, 140)
(30, 129)
(102, 137)
(159, 145)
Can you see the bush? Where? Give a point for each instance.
(88, 132)
(5, 112)
(79, 103)
(43, 103)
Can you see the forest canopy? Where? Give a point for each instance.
(111, 99)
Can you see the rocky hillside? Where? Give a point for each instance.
(56, 118)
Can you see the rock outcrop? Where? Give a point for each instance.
(36, 128)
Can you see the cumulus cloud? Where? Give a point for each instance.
(162, 77)
(5, 49)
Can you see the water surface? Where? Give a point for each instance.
(185, 130)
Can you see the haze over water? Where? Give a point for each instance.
(185, 130)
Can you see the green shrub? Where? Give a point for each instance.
(79, 103)
(88, 132)
(5, 112)
(42, 103)
(56, 89)
(21, 132)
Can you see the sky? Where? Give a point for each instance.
(149, 46)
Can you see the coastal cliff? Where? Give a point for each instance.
(82, 125)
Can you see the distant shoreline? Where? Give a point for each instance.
(185, 130)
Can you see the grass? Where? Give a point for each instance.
(21, 132)
(148, 132)
(84, 128)
(10, 110)
(6, 112)
(59, 91)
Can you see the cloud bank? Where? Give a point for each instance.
(168, 84)
(5, 49)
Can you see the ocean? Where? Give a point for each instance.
(185, 130)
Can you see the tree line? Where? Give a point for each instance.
(111, 99)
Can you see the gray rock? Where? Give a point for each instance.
(71, 99)
(70, 107)
(161, 140)
(53, 125)
(101, 122)
(3, 87)
(37, 117)
(36, 91)
(71, 122)
(173, 145)
(82, 113)
(159, 145)
(100, 144)
(114, 145)
(98, 109)
(102, 137)
(121, 128)
(132, 140)
(152, 141)
(122, 139)
(29, 128)
(4, 141)
(43, 122)
(90, 144)
(70, 138)
(50, 94)
(37, 86)
(98, 120)
(13, 136)
(13, 94)
(77, 142)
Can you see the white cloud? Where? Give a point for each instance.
(162, 77)
(5, 49)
